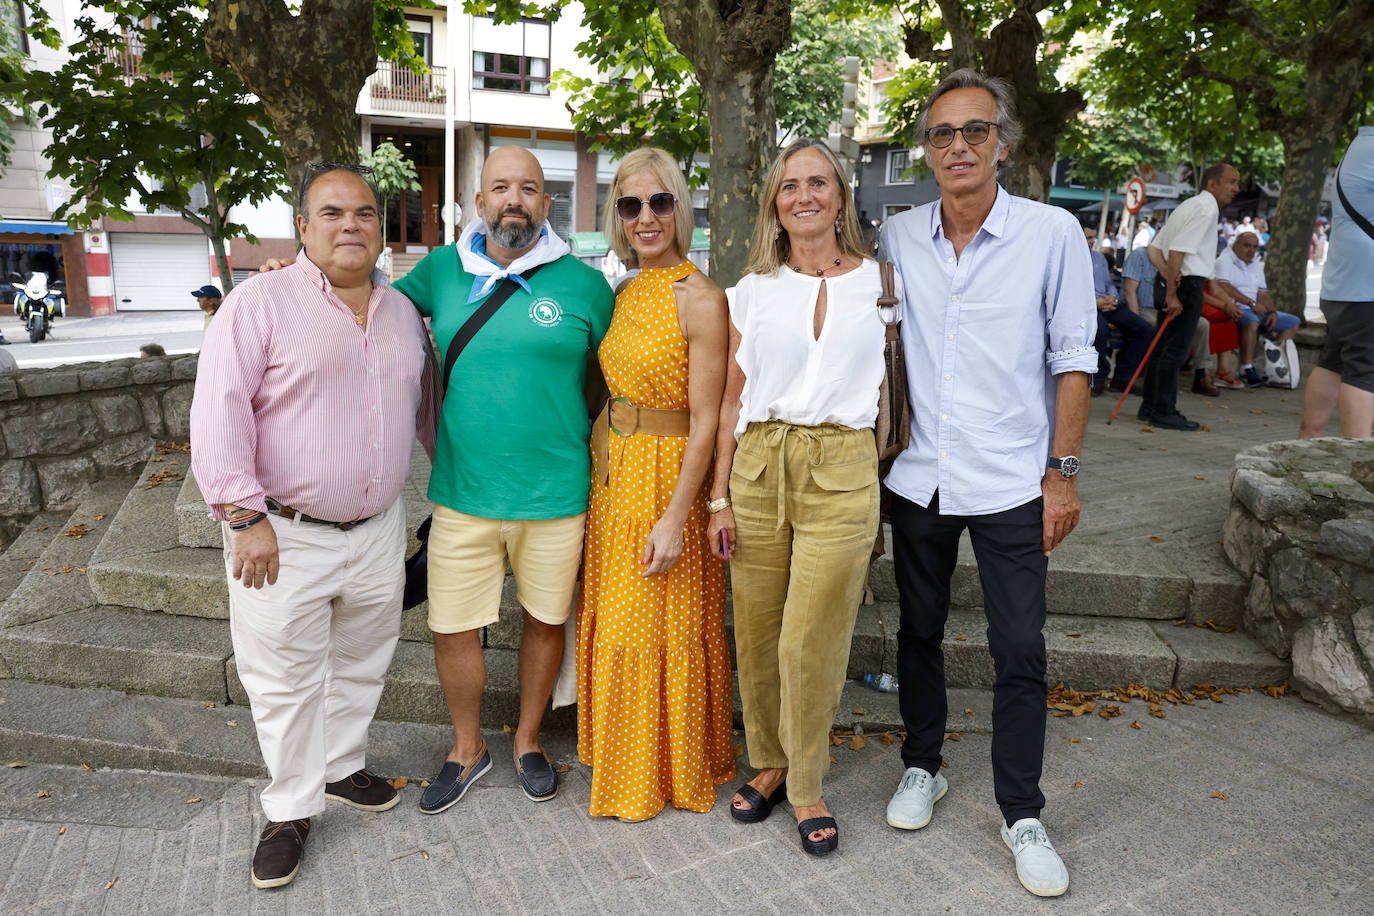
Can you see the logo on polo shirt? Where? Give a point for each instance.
(545, 312)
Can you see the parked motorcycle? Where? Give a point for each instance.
(37, 303)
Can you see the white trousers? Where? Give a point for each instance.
(312, 651)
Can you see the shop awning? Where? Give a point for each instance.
(595, 244)
(36, 228)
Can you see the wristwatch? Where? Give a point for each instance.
(1068, 465)
(716, 505)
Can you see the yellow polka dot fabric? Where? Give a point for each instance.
(653, 667)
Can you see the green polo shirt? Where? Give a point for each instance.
(512, 442)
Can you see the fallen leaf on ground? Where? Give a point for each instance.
(1075, 740)
(194, 801)
(832, 759)
(1206, 429)
(858, 712)
(508, 729)
(78, 531)
(1136, 724)
(961, 637)
(1075, 636)
(1079, 785)
(1181, 622)
(857, 743)
(87, 768)
(1274, 691)
(951, 736)
(40, 528)
(886, 738)
(835, 740)
(1209, 625)
(969, 712)
(414, 852)
(739, 749)
(1147, 429)
(1199, 476)
(1221, 795)
(231, 723)
(111, 883)
(207, 705)
(1156, 540)
(99, 516)
(1156, 710)
(16, 765)
(1109, 711)
(398, 783)
(563, 769)
(943, 764)
(61, 830)
(1257, 411)
(44, 793)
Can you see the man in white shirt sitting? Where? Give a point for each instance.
(1241, 276)
(998, 332)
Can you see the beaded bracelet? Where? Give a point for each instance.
(247, 522)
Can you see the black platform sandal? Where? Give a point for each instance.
(759, 807)
(819, 847)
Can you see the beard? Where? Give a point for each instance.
(517, 237)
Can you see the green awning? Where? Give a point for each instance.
(588, 244)
(1063, 196)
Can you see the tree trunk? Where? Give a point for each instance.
(226, 276)
(733, 55)
(307, 68)
(1305, 159)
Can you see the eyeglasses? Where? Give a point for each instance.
(660, 204)
(975, 132)
(353, 167)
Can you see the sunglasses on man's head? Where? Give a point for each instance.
(332, 166)
(660, 204)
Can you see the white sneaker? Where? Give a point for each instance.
(1038, 866)
(914, 801)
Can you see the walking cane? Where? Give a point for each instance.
(1131, 384)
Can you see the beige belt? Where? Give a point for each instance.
(625, 419)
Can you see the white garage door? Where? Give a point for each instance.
(155, 271)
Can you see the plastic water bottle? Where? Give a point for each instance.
(883, 683)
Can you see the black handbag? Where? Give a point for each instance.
(417, 565)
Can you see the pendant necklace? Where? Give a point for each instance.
(820, 271)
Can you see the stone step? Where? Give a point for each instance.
(18, 558)
(56, 582)
(195, 527)
(122, 649)
(44, 723)
(1107, 580)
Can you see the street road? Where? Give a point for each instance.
(79, 340)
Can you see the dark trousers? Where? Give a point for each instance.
(1161, 372)
(1012, 567)
(1137, 333)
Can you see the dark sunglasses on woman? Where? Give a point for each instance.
(660, 204)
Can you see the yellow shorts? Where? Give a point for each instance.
(467, 565)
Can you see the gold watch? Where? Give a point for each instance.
(716, 505)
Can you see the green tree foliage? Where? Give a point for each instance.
(139, 115)
(14, 102)
(1295, 70)
(1108, 150)
(392, 173)
(1021, 41)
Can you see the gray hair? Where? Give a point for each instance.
(1008, 128)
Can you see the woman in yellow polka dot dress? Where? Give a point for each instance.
(653, 667)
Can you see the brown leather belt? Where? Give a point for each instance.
(625, 419)
(276, 507)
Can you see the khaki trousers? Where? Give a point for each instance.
(805, 500)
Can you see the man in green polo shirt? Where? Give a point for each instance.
(511, 465)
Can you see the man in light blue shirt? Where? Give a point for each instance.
(1344, 375)
(1111, 313)
(998, 328)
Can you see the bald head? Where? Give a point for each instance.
(512, 201)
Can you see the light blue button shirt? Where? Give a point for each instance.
(984, 334)
(1349, 272)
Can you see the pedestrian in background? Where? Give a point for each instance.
(208, 297)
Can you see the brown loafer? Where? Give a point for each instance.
(364, 791)
(1203, 384)
(278, 856)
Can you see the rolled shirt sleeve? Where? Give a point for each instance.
(1070, 305)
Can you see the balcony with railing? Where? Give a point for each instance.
(395, 88)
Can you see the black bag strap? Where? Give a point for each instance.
(1354, 214)
(504, 290)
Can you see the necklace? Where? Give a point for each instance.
(820, 271)
(361, 319)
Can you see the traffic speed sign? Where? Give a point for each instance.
(1135, 194)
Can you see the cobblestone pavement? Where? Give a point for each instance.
(1255, 805)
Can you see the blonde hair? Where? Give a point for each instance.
(663, 167)
(771, 246)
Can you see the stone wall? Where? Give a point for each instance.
(1301, 528)
(62, 429)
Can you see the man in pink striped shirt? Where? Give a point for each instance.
(312, 386)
